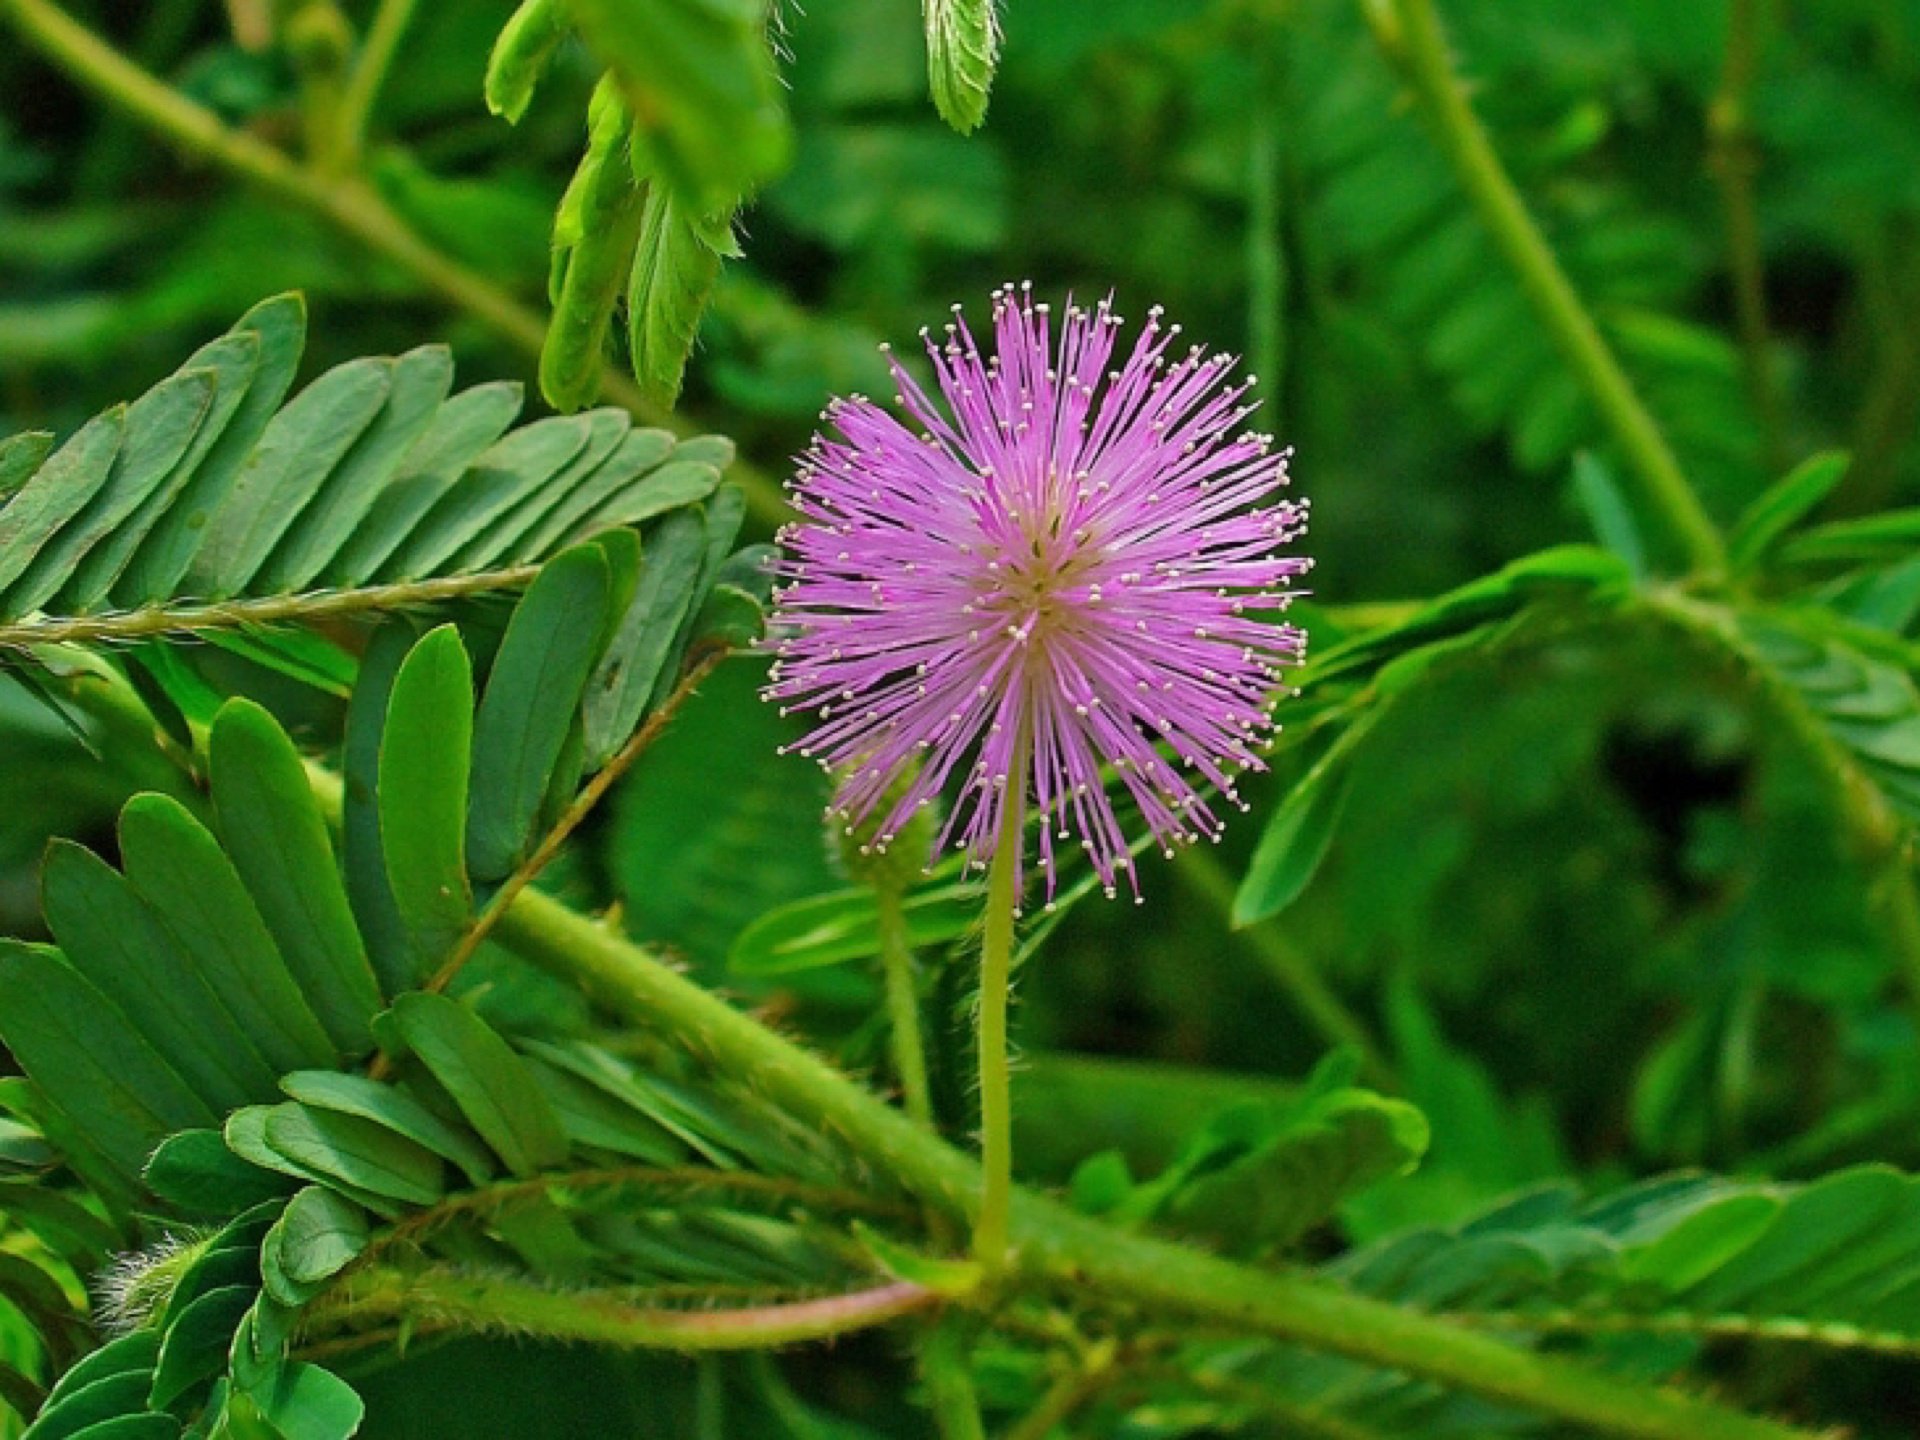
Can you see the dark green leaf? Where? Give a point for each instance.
(318, 1236)
(512, 469)
(368, 1156)
(1296, 838)
(503, 536)
(58, 491)
(639, 454)
(131, 1354)
(301, 447)
(231, 362)
(844, 925)
(623, 684)
(132, 1427)
(532, 693)
(420, 380)
(63, 1225)
(273, 831)
(83, 1052)
(177, 866)
(246, 1135)
(464, 428)
(362, 856)
(195, 1171)
(300, 655)
(395, 1109)
(485, 1078)
(160, 426)
(102, 1400)
(425, 759)
(279, 327)
(195, 1348)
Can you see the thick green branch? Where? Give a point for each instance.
(1419, 48)
(1053, 1245)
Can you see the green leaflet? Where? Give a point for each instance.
(194, 1350)
(425, 758)
(1298, 834)
(521, 54)
(676, 259)
(89, 1060)
(273, 831)
(418, 384)
(606, 429)
(194, 1171)
(300, 1402)
(508, 471)
(640, 453)
(279, 329)
(132, 1353)
(844, 925)
(302, 443)
(623, 683)
(362, 855)
(58, 491)
(368, 1157)
(177, 866)
(246, 1135)
(466, 426)
(1781, 506)
(395, 1109)
(702, 77)
(160, 427)
(112, 937)
(963, 46)
(231, 362)
(485, 1078)
(20, 456)
(317, 1236)
(115, 1400)
(62, 1224)
(593, 249)
(532, 694)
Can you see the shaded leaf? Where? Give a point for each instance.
(425, 761)
(485, 1079)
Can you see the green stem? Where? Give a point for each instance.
(903, 1003)
(1421, 49)
(148, 621)
(348, 203)
(1056, 1246)
(1311, 995)
(1733, 158)
(436, 1298)
(369, 72)
(1066, 1395)
(996, 979)
(950, 1393)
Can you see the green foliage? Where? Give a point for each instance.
(1602, 859)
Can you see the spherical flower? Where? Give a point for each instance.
(1069, 567)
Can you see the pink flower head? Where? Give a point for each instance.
(1065, 570)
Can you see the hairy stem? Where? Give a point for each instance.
(152, 620)
(437, 1298)
(346, 202)
(903, 1003)
(950, 1393)
(996, 979)
(1054, 1246)
(1418, 46)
